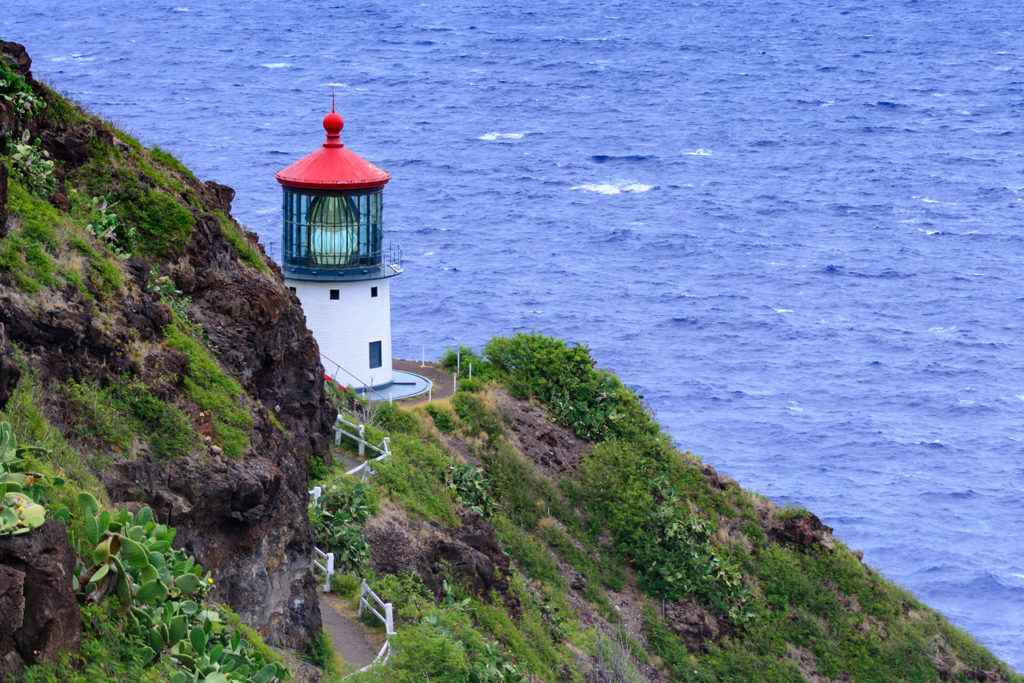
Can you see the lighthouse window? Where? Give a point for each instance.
(375, 355)
(334, 295)
(332, 229)
(373, 291)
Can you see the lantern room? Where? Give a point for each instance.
(335, 260)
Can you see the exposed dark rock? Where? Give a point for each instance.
(16, 57)
(3, 200)
(805, 531)
(223, 195)
(696, 624)
(245, 518)
(431, 550)
(553, 448)
(39, 616)
(10, 373)
(714, 479)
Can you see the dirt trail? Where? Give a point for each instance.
(350, 638)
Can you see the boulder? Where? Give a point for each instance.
(39, 617)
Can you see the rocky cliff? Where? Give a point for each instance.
(141, 322)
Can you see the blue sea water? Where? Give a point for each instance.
(795, 227)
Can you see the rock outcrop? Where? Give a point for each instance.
(39, 616)
(244, 518)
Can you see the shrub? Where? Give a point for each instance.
(592, 402)
(471, 489)
(33, 164)
(337, 520)
(443, 418)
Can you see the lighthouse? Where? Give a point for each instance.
(334, 260)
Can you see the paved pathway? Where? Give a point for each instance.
(349, 637)
(441, 378)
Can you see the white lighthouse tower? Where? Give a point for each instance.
(334, 260)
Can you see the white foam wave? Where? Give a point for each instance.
(1020, 396)
(608, 188)
(699, 153)
(428, 253)
(783, 310)
(182, 9)
(337, 85)
(501, 136)
(930, 201)
(795, 407)
(275, 65)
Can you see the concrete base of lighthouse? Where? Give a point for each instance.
(351, 322)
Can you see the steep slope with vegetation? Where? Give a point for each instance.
(149, 345)
(537, 525)
(540, 523)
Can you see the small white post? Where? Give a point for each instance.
(387, 445)
(458, 362)
(470, 370)
(390, 616)
(423, 356)
(316, 494)
(362, 596)
(455, 382)
(430, 393)
(362, 443)
(330, 572)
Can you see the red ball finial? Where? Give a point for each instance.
(333, 123)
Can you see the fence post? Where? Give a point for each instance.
(458, 362)
(389, 625)
(316, 493)
(430, 393)
(455, 382)
(387, 445)
(470, 370)
(362, 596)
(423, 356)
(362, 444)
(330, 572)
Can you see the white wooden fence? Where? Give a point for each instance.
(368, 600)
(383, 449)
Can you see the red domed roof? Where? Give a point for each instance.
(333, 167)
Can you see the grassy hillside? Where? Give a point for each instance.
(627, 559)
(143, 333)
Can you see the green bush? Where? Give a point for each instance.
(471, 489)
(592, 402)
(462, 359)
(337, 519)
(443, 418)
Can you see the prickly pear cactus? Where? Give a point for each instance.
(18, 513)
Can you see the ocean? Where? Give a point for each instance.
(794, 227)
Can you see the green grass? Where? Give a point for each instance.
(168, 160)
(164, 225)
(414, 478)
(247, 251)
(164, 425)
(214, 392)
